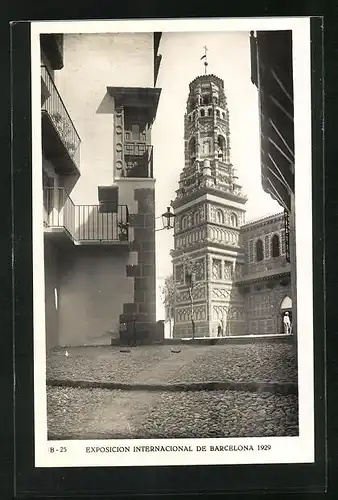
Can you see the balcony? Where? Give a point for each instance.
(52, 46)
(83, 224)
(138, 160)
(60, 140)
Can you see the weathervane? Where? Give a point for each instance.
(205, 59)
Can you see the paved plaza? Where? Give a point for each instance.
(94, 413)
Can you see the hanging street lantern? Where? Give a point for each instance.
(168, 219)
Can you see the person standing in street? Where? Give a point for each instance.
(287, 323)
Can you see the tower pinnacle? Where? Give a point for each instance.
(205, 57)
(207, 164)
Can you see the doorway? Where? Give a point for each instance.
(286, 306)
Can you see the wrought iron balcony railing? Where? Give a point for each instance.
(138, 159)
(84, 222)
(135, 148)
(57, 112)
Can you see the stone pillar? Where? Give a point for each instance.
(143, 310)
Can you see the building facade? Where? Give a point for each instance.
(98, 104)
(232, 278)
(266, 280)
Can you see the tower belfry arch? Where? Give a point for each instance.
(210, 209)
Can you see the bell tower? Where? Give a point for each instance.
(209, 209)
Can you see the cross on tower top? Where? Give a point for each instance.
(205, 57)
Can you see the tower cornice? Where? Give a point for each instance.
(231, 250)
(208, 77)
(263, 221)
(225, 195)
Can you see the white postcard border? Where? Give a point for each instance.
(264, 450)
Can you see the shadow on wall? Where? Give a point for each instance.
(68, 182)
(106, 106)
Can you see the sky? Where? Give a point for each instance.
(228, 58)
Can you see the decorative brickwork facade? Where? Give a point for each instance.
(209, 209)
(266, 279)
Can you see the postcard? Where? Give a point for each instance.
(172, 242)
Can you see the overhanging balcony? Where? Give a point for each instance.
(52, 46)
(60, 140)
(83, 224)
(271, 73)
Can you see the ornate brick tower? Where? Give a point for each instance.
(209, 209)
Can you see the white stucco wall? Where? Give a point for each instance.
(89, 305)
(91, 63)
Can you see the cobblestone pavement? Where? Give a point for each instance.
(158, 364)
(108, 414)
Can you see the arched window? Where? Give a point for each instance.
(217, 112)
(259, 250)
(219, 217)
(221, 147)
(223, 116)
(215, 100)
(206, 99)
(202, 112)
(184, 222)
(234, 220)
(286, 303)
(196, 218)
(192, 148)
(209, 111)
(275, 247)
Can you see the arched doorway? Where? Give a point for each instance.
(285, 306)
